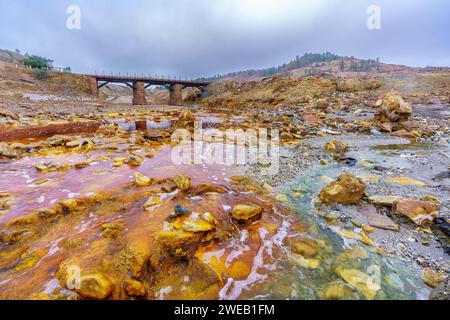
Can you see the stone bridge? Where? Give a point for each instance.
(139, 84)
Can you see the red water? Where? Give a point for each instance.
(238, 258)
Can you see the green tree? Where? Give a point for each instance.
(37, 62)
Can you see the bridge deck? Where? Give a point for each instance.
(150, 80)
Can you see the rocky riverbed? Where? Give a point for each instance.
(94, 207)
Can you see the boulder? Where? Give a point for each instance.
(180, 210)
(246, 212)
(182, 181)
(49, 215)
(134, 258)
(185, 121)
(6, 151)
(345, 190)
(134, 288)
(311, 118)
(349, 85)
(392, 108)
(432, 278)
(85, 145)
(95, 286)
(191, 94)
(153, 135)
(385, 127)
(198, 225)
(113, 229)
(142, 181)
(422, 213)
(322, 104)
(336, 148)
(152, 203)
(70, 205)
(134, 160)
(173, 240)
(59, 140)
(359, 280)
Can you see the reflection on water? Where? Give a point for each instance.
(143, 125)
(42, 97)
(207, 120)
(404, 147)
(37, 97)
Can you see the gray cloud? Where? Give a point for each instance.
(193, 38)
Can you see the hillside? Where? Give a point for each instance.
(325, 65)
(11, 57)
(17, 80)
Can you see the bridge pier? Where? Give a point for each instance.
(176, 95)
(139, 93)
(93, 86)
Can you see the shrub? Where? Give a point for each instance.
(41, 73)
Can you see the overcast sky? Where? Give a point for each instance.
(193, 38)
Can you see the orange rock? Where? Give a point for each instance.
(345, 190)
(432, 278)
(386, 127)
(95, 286)
(392, 108)
(134, 288)
(404, 134)
(322, 104)
(337, 148)
(173, 240)
(246, 212)
(311, 118)
(421, 213)
(182, 181)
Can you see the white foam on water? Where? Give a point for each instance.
(51, 286)
(233, 289)
(163, 292)
(73, 195)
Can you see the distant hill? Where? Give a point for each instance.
(311, 64)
